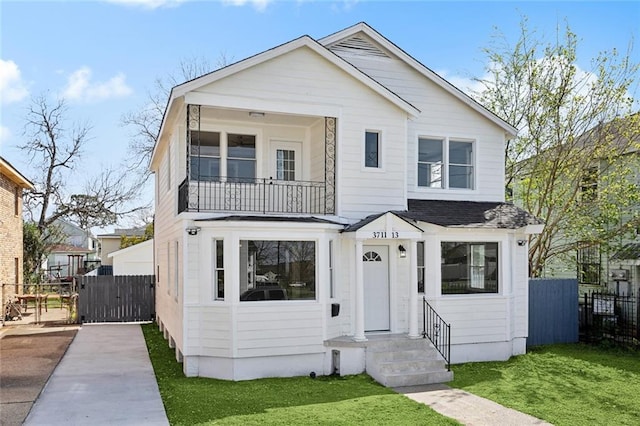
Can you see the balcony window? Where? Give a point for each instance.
(208, 161)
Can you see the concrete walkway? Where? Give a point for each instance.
(105, 378)
(467, 408)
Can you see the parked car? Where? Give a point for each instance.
(264, 293)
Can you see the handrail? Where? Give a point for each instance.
(258, 195)
(437, 331)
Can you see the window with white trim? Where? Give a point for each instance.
(331, 271)
(445, 163)
(215, 155)
(218, 269)
(420, 255)
(372, 149)
(176, 270)
(469, 267)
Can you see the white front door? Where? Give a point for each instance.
(376, 288)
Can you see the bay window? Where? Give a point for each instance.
(469, 267)
(277, 270)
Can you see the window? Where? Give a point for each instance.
(420, 254)
(286, 164)
(16, 202)
(331, 277)
(277, 270)
(433, 166)
(16, 268)
(169, 168)
(205, 155)
(208, 162)
(168, 267)
(589, 185)
(588, 264)
(460, 164)
(176, 270)
(372, 149)
(241, 156)
(469, 267)
(430, 162)
(218, 269)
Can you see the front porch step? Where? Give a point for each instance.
(396, 362)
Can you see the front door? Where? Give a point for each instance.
(376, 288)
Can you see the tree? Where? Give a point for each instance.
(145, 121)
(569, 125)
(126, 241)
(54, 149)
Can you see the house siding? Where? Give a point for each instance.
(441, 116)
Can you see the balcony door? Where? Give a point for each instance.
(286, 161)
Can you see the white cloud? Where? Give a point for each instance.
(81, 88)
(259, 5)
(148, 4)
(12, 87)
(5, 134)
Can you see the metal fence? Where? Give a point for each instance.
(610, 317)
(553, 311)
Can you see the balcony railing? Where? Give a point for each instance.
(253, 196)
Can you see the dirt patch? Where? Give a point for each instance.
(29, 356)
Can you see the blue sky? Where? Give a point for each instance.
(103, 56)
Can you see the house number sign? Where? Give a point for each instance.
(383, 234)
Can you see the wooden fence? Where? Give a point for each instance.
(119, 298)
(553, 311)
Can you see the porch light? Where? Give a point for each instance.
(402, 250)
(256, 114)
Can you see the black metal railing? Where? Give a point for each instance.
(253, 195)
(437, 331)
(610, 317)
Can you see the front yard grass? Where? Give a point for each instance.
(284, 401)
(562, 384)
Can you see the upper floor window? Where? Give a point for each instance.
(372, 149)
(211, 161)
(589, 184)
(16, 201)
(445, 163)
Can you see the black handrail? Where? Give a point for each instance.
(437, 331)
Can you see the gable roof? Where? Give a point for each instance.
(303, 41)
(14, 175)
(349, 36)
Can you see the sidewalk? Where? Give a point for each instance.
(105, 378)
(468, 409)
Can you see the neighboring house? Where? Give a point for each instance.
(110, 243)
(76, 253)
(307, 198)
(616, 267)
(12, 183)
(133, 260)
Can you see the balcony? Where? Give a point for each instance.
(255, 196)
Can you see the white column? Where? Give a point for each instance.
(359, 317)
(413, 290)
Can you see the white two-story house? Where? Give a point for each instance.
(308, 197)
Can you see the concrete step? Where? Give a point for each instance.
(404, 355)
(410, 367)
(398, 344)
(415, 379)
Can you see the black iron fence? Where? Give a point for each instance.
(610, 317)
(437, 331)
(254, 195)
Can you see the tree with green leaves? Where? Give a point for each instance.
(572, 163)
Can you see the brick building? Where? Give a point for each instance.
(12, 183)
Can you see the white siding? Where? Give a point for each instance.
(442, 115)
(301, 76)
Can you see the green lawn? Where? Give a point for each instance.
(562, 384)
(289, 401)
